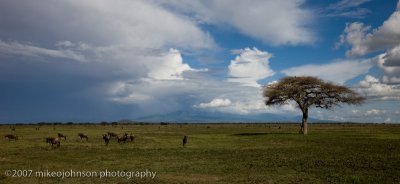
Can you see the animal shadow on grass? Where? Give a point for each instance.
(262, 133)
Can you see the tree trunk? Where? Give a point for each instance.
(304, 125)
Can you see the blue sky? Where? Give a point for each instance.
(106, 60)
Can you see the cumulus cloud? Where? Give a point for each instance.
(392, 57)
(387, 62)
(362, 40)
(173, 95)
(375, 111)
(275, 22)
(135, 23)
(169, 67)
(122, 93)
(249, 67)
(372, 88)
(384, 38)
(216, 102)
(129, 40)
(338, 72)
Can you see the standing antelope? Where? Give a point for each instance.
(129, 137)
(184, 140)
(122, 139)
(11, 137)
(60, 135)
(53, 141)
(83, 136)
(112, 134)
(106, 138)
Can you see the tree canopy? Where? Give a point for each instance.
(309, 92)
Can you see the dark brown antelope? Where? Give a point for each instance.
(60, 135)
(184, 140)
(83, 136)
(53, 141)
(11, 137)
(129, 137)
(106, 138)
(112, 134)
(122, 139)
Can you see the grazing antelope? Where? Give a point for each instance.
(106, 138)
(112, 134)
(122, 139)
(83, 136)
(11, 137)
(129, 137)
(184, 140)
(53, 141)
(60, 135)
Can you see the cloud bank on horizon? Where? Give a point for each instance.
(104, 60)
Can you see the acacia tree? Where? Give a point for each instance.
(309, 92)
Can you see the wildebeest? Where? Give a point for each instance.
(112, 134)
(11, 137)
(53, 141)
(60, 135)
(184, 140)
(122, 139)
(83, 136)
(106, 138)
(129, 137)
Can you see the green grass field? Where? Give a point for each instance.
(215, 153)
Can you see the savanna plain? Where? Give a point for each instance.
(214, 153)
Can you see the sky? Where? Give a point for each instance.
(103, 60)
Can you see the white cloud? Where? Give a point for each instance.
(249, 67)
(346, 8)
(132, 98)
(391, 70)
(374, 112)
(256, 105)
(216, 102)
(392, 57)
(384, 38)
(118, 40)
(388, 120)
(169, 67)
(338, 72)
(172, 95)
(137, 23)
(26, 49)
(372, 88)
(344, 4)
(272, 21)
(362, 41)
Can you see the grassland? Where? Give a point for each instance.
(216, 153)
